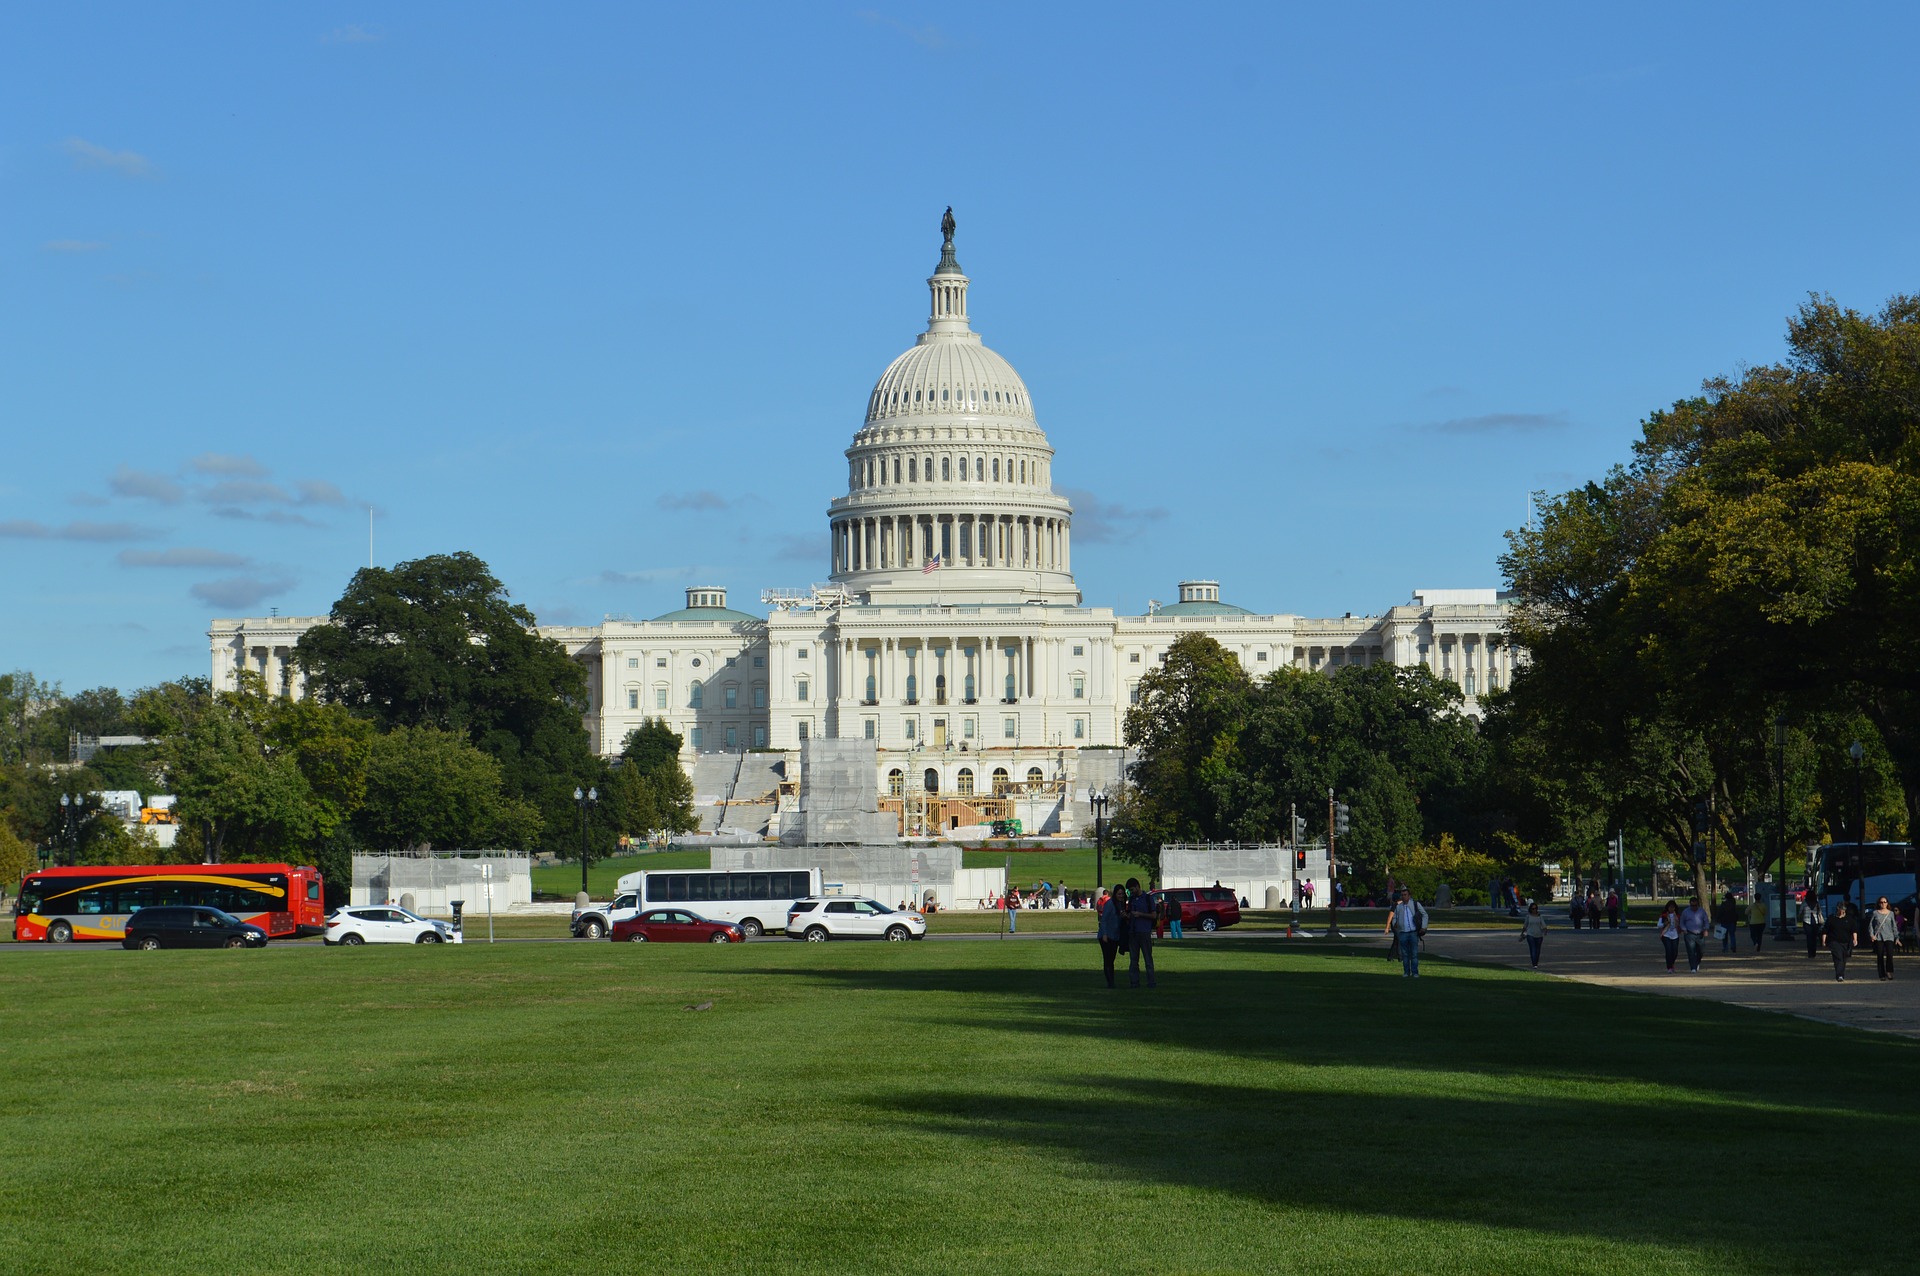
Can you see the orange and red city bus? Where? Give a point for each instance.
(58, 905)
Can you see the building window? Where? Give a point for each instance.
(946, 468)
(1035, 779)
(803, 653)
(1470, 690)
(759, 737)
(966, 728)
(1010, 727)
(759, 696)
(963, 783)
(803, 728)
(759, 662)
(1133, 657)
(732, 696)
(930, 780)
(896, 782)
(1079, 728)
(696, 696)
(996, 469)
(732, 661)
(1079, 686)
(870, 729)
(633, 662)
(1000, 781)
(697, 736)
(659, 662)
(659, 697)
(907, 728)
(1079, 650)
(633, 698)
(1133, 693)
(913, 470)
(732, 739)
(800, 689)
(1261, 657)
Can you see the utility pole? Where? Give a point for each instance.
(1333, 875)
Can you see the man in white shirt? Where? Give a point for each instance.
(1407, 922)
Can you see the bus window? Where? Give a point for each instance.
(313, 890)
(757, 887)
(698, 887)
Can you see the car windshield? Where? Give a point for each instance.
(409, 917)
(876, 906)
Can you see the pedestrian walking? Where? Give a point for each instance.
(1813, 922)
(1407, 924)
(1757, 921)
(1533, 929)
(1013, 911)
(1140, 939)
(1613, 910)
(1883, 930)
(1112, 908)
(1669, 926)
(1173, 918)
(1726, 918)
(1693, 932)
(1576, 908)
(1843, 932)
(1594, 906)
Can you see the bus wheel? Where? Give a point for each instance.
(750, 928)
(150, 943)
(59, 933)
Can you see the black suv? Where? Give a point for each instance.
(175, 926)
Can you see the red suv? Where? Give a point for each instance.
(1205, 907)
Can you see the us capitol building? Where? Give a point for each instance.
(950, 630)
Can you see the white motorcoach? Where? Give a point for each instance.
(756, 902)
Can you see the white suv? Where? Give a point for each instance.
(595, 921)
(822, 917)
(384, 924)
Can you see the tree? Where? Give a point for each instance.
(429, 788)
(650, 790)
(16, 858)
(1186, 728)
(436, 642)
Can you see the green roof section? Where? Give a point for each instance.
(726, 614)
(1203, 609)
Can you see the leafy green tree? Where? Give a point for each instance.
(436, 642)
(16, 858)
(1186, 728)
(651, 791)
(428, 788)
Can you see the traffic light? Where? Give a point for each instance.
(1299, 829)
(1699, 850)
(1300, 859)
(1700, 819)
(1341, 820)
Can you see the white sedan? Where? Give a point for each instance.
(385, 924)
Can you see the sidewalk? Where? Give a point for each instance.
(1780, 979)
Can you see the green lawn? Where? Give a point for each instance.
(955, 1107)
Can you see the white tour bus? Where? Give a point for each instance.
(756, 902)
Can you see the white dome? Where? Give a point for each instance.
(950, 378)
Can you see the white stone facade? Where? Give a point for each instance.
(986, 667)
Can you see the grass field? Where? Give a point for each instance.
(978, 1106)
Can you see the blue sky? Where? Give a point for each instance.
(1308, 297)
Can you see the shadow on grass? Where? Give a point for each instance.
(1612, 1115)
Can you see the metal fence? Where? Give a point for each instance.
(435, 881)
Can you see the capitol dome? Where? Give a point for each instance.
(950, 467)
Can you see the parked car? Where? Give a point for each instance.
(1203, 907)
(592, 921)
(674, 926)
(385, 924)
(819, 918)
(178, 926)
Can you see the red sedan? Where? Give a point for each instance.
(674, 926)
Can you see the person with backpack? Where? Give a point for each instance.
(1407, 924)
(1140, 913)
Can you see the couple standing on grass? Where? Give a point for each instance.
(1127, 918)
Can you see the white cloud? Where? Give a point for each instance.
(145, 485)
(1103, 522)
(127, 163)
(240, 593)
(29, 529)
(319, 492)
(181, 556)
(227, 464)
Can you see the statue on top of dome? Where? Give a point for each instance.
(946, 226)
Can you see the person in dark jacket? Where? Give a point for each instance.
(1113, 919)
(1843, 932)
(1140, 915)
(1727, 918)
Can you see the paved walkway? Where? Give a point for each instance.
(1779, 979)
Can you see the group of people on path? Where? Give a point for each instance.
(1842, 932)
(1589, 908)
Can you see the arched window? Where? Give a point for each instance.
(930, 781)
(913, 470)
(1000, 781)
(996, 469)
(979, 467)
(929, 469)
(896, 469)
(963, 469)
(896, 782)
(694, 695)
(946, 468)
(943, 396)
(1023, 471)
(963, 783)
(1034, 779)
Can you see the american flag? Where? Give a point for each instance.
(933, 565)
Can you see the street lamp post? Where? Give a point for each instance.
(589, 798)
(72, 812)
(1858, 752)
(1780, 817)
(1098, 799)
